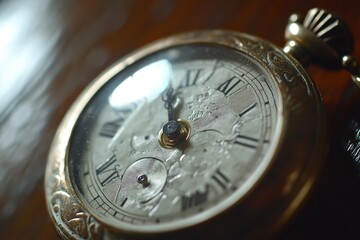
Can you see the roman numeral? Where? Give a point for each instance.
(248, 109)
(107, 171)
(195, 199)
(246, 141)
(191, 77)
(109, 129)
(228, 87)
(220, 179)
(123, 202)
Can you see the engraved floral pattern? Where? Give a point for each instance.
(72, 221)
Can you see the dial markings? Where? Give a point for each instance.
(195, 199)
(239, 95)
(191, 78)
(228, 87)
(123, 202)
(95, 199)
(221, 180)
(246, 141)
(107, 171)
(109, 129)
(248, 109)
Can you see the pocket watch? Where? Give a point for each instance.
(208, 133)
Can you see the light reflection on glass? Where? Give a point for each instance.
(144, 85)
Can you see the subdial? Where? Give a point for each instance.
(141, 182)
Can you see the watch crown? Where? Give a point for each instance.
(321, 37)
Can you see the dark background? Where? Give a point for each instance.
(51, 49)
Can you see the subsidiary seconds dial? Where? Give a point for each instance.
(130, 178)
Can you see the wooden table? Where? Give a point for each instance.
(50, 50)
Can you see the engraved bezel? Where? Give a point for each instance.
(272, 198)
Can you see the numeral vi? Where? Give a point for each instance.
(191, 78)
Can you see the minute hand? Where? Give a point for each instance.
(171, 128)
(169, 99)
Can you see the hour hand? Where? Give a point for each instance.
(171, 128)
(169, 99)
(174, 133)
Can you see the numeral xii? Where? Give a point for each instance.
(191, 78)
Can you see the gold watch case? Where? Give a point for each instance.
(275, 197)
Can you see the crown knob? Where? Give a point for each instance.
(321, 37)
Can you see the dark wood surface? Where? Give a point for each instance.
(50, 50)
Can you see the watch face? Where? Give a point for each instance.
(119, 166)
